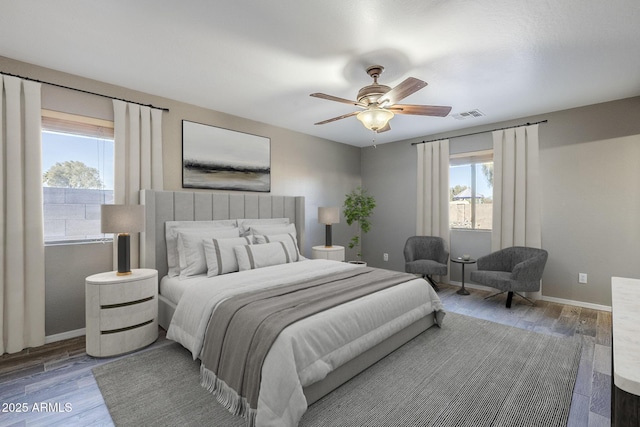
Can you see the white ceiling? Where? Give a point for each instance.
(262, 59)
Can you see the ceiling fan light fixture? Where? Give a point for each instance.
(374, 118)
(380, 102)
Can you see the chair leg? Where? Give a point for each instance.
(495, 295)
(432, 282)
(509, 298)
(530, 301)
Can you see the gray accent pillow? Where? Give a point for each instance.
(289, 240)
(258, 256)
(171, 238)
(245, 223)
(273, 229)
(191, 249)
(220, 256)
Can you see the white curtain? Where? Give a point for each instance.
(516, 188)
(433, 190)
(138, 157)
(22, 288)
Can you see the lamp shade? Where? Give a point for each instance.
(329, 215)
(122, 218)
(375, 118)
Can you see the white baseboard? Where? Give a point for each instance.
(544, 298)
(64, 336)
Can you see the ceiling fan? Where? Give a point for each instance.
(380, 102)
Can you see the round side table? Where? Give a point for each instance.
(334, 252)
(462, 290)
(121, 312)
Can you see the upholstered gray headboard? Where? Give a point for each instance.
(161, 206)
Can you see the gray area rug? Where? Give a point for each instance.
(470, 372)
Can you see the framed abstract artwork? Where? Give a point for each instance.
(223, 159)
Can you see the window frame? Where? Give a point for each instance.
(472, 159)
(84, 126)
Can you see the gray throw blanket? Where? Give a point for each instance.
(243, 328)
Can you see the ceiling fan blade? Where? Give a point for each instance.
(401, 91)
(335, 98)
(344, 116)
(421, 110)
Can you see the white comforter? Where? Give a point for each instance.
(308, 350)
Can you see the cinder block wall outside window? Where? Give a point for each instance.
(73, 214)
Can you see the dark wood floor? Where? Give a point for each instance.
(56, 374)
(60, 373)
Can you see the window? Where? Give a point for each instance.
(471, 191)
(77, 175)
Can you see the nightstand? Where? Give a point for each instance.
(334, 252)
(121, 312)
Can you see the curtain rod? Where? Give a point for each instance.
(484, 131)
(82, 90)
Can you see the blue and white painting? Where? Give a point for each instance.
(222, 159)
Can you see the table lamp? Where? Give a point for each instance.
(328, 216)
(122, 219)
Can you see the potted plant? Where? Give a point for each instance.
(358, 207)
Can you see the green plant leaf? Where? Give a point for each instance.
(358, 207)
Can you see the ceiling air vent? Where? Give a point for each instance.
(468, 114)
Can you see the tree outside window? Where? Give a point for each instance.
(72, 174)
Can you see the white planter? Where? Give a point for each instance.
(358, 263)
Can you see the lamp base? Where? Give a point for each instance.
(327, 236)
(124, 258)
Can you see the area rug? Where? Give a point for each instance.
(470, 372)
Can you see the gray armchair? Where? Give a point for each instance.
(515, 269)
(427, 256)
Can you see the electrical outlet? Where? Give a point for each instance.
(385, 257)
(582, 277)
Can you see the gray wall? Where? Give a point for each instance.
(323, 171)
(590, 168)
(65, 268)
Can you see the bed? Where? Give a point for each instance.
(295, 373)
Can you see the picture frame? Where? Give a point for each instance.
(222, 159)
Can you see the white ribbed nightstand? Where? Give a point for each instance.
(121, 311)
(334, 252)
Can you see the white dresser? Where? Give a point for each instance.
(625, 393)
(121, 311)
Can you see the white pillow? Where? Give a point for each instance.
(221, 258)
(171, 237)
(191, 249)
(245, 223)
(258, 256)
(288, 239)
(273, 229)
